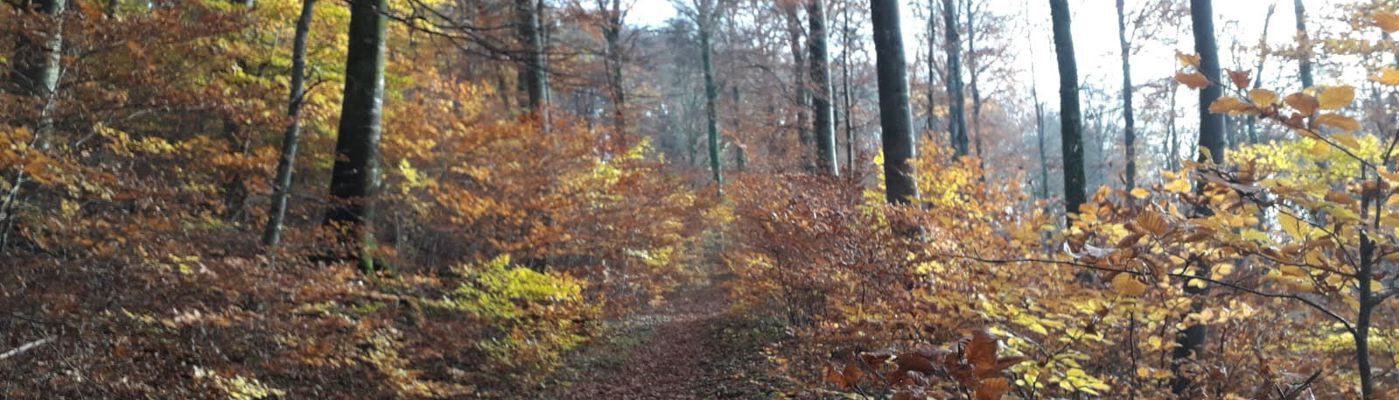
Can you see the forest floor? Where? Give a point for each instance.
(692, 347)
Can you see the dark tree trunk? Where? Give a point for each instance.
(799, 85)
(972, 67)
(895, 119)
(932, 86)
(281, 188)
(705, 10)
(821, 98)
(355, 177)
(1071, 120)
(612, 35)
(845, 92)
(1191, 341)
(956, 101)
(1129, 130)
(532, 74)
(1304, 45)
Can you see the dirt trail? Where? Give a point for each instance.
(691, 348)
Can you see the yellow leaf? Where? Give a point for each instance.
(1344, 123)
(1229, 105)
(1319, 149)
(1387, 21)
(1140, 193)
(1125, 284)
(1292, 226)
(1302, 102)
(1179, 186)
(1188, 60)
(1347, 140)
(1263, 97)
(1193, 80)
(1336, 97)
(1389, 76)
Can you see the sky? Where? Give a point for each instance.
(1096, 45)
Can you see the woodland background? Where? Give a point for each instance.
(752, 199)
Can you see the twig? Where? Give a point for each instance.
(26, 347)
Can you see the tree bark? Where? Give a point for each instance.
(845, 92)
(1191, 341)
(1258, 70)
(705, 11)
(355, 176)
(799, 85)
(972, 67)
(821, 98)
(1304, 45)
(532, 73)
(1071, 119)
(37, 64)
(1129, 130)
(894, 114)
(281, 188)
(612, 35)
(956, 102)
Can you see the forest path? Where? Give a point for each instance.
(690, 348)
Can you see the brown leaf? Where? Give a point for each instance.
(1193, 80)
(1344, 123)
(1336, 97)
(993, 389)
(1387, 21)
(1188, 60)
(1302, 102)
(981, 353)
(1240, 78)
(1230, 105)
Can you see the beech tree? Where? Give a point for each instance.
(281, 187)
(355, 176)
(821, 98)
(1071, 121)
(1129, 133)
(957, 116)
(895, 118)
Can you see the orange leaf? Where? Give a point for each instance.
(1240, 78)
(1344, 123)
(1229, 105)
(993, 389)
(1193, 80)
(1336, 97)
(1387, 21)
(1189, 60)
(1302, 102)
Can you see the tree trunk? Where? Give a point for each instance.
(355, 176)
(705, 9)
(956, 102)
(1171, 137)
(1129, 132)
(532, 74)
(1211, 145)
(845, 92)
(932, 87)
(799, 85)
(612, 35)
(281, 188)
(1258, 70)
(821, 99)
(37, 65)
(1304, 45)
(972, 73)
(894, 114)
(1071, 120)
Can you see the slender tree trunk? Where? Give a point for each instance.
(355, 176)
(612, 34)
(1258, 70)
(972, 66)
(956, 102)
(1304, 45)
(1172, 137)
(894, 114)
(1191, 341)
(1071, 120)
(37, 64)
(1129, 131)
(845, 92)
(711, 91)
(532, 73)
(932, 86)
(802, 92)
(281, 188)
(821, 98)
